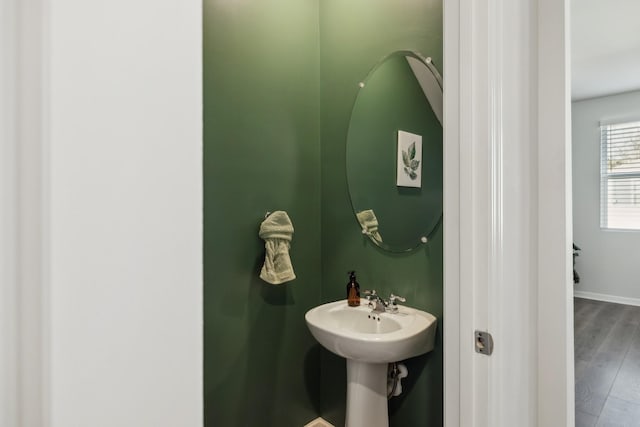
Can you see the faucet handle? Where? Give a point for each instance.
(370, 293)
(393, 298)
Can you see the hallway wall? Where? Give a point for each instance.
(608, 262)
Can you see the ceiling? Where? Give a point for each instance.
(605, 47)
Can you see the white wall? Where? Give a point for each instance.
(125, 221)
(608, 264)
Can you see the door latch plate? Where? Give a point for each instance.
(483, 343)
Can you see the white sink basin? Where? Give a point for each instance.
(358, 334)
(370, 341)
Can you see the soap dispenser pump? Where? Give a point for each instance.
(353, 290)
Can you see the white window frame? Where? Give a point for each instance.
(606, 176)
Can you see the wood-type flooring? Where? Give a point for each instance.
(607, 364)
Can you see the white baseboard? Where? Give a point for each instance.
(319, 422)
(607, 298)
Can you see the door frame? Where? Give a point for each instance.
(24, 228)
(480, 45)
(8, 216)
(556, 390)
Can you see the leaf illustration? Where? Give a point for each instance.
(411, 173)
(405, 159)
(414, 164)
(412, 150)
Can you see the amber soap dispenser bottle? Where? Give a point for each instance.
(353, 290)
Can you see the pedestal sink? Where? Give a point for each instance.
(370, 341)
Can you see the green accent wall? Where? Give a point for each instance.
(280, 78)
(261, 153)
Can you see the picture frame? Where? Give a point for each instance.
(409, 160)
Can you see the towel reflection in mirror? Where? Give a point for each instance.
(369, 224)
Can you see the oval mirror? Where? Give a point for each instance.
(394, 152)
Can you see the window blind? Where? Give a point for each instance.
(620, 176)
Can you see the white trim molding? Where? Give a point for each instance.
(607, 298)
(556, 395)
(8, 216)
(23, 229)
(454, 369)
(33, 212)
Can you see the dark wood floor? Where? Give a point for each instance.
(607, 356)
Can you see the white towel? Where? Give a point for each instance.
(277, 231)
(369, 224)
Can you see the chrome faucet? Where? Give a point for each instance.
(375, 302)
(380, 305)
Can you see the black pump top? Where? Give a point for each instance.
(352, 276)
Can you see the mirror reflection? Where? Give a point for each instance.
(394, 152)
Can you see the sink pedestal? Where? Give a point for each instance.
(366, 394)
